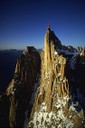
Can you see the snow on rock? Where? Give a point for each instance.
(73, 62)
(74, 104)
(72, 107)
(61, 101)
(55, 53)
(46, 119)
(33, 94)
(67, 51)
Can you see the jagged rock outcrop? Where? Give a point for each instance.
(50, 43)
(22, 85)
(48, 88)
(56, 104)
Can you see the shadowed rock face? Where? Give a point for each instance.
(21, 87)
(57, 104)
(4, 111)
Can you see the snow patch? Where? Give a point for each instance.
(44, 119)
(55, 53)
(72, 107)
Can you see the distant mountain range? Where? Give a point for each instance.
(8, 60)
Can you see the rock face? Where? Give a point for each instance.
(50, 42)
(56, 104)
(21, 87)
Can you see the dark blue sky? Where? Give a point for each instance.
(24, 22)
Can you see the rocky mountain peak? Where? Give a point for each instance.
(50, 37)
(29, 49)
(22, 85)
(48, 88)
(49, 28)
(51, 42)
(54, 102)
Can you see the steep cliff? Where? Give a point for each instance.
(22, 86)
(57, 104)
